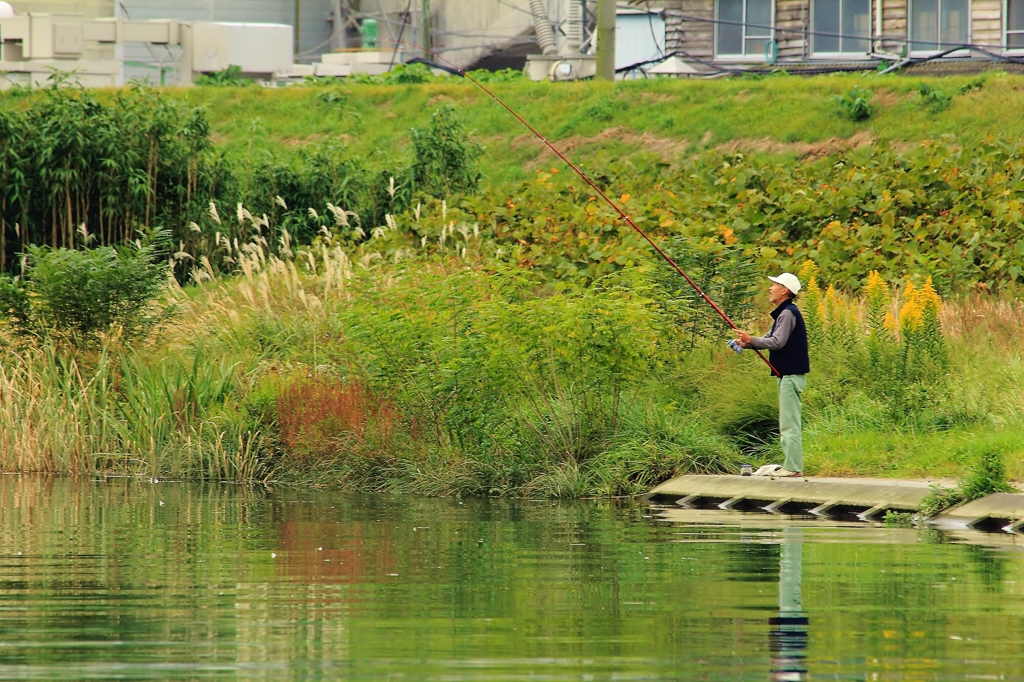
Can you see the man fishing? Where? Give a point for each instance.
(787, 343)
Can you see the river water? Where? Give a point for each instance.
(126, 579)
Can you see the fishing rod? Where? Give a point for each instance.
(622, 214)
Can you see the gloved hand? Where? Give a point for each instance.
(735, 346)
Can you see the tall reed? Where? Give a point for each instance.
(70, 160)
(62, 412)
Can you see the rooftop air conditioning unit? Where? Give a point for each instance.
(263, 49)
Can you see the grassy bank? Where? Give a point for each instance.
(449, 333)
(664, 119)
(469, 375)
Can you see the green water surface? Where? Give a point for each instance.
(127, 579)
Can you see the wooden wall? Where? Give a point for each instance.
(987, 24)
(696, 38)
(792, 21)
(894, 25)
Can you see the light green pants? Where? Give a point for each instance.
(791, 387)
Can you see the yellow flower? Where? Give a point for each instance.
(808, 271)
(876, 290)
(927, 299)
(890, 322)
(834, 306)
(910, 315)
(811, 288)
(831, 295)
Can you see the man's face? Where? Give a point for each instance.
(777, 293)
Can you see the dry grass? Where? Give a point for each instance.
(813, 150)
(154, 411)
(318, 417)
(667, 149)
(39, 395)
(998, 319)
(319, 408)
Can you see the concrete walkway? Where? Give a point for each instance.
(864, 498)
(1000, 511)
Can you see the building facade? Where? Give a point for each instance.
(725, 32)
(463, 30)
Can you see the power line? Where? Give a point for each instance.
(650, 24)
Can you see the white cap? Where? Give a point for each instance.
(788, 280)
(6, 11)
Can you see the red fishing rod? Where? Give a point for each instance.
(622, 214)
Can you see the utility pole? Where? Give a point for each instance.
(298, 26)
(606, 40)
(338, 41)
(425, 27)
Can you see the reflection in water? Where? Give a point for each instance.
(788, 634)
(185, 581)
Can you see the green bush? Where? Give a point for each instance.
(83, 293)
(656, 443)
(855, 105)
(444, 157)
(324, 188)
(934, 99)
(985, 477)
(499, 76)
(498, 383)
(938, 209)
(726, 274)
(400, 74)
(318, 176)
(15, 306)
(227, 77)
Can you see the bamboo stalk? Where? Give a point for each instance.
(3, 233)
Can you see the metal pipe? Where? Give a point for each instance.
(878, 26)
(542, 26)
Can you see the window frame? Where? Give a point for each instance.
(1007, 30)
(745, 56)
(924, 53)
(846, 56)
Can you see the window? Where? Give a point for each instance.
(1015, 24)
(842, 26)
(939, 24)
(744, 27)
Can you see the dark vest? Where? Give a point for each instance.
(791, 358)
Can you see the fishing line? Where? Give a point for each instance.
(622, 214)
